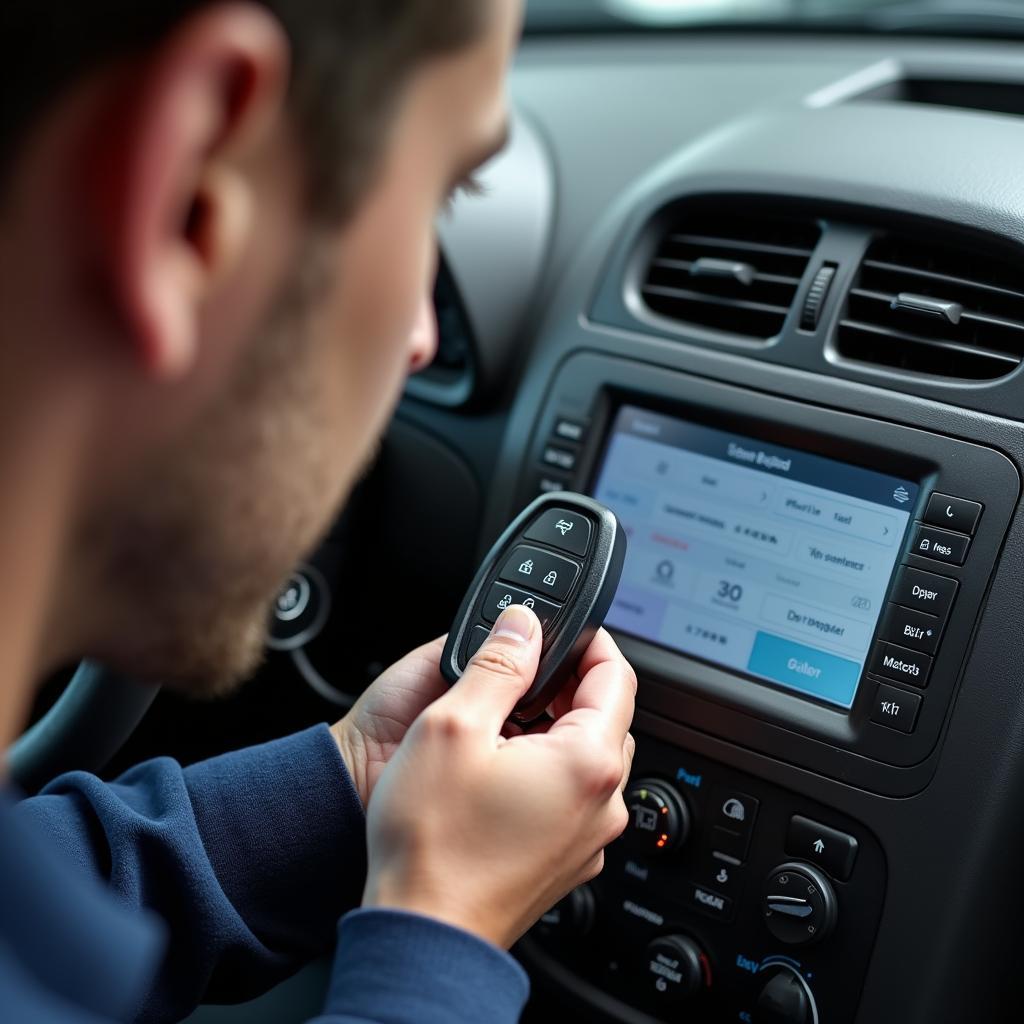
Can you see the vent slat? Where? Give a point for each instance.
(717, 300)
(936, 343)
(981, 339)
(687, 266)
(710, 241)
(771, 254)
(931, 275)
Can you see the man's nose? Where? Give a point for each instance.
(423, 341)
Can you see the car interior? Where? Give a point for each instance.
(750, 273)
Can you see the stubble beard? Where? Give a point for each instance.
(207, 535)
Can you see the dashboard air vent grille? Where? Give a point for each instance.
(939, 310)
(729, 270)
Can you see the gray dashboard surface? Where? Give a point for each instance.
(629, 123)
(612, 109)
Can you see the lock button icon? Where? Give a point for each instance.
(551, 579)
(527, 567)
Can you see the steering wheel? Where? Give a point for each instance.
(87, 726)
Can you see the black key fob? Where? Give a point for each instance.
(562, 557)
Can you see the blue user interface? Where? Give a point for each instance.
(762, 559)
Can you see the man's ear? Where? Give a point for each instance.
(167, 196)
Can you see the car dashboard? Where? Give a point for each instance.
(778, 327)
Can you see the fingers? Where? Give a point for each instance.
(602, 648)
(628, 751)
(605, 699)
(501, 671)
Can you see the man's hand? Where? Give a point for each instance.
(370, 733)
(486, 830)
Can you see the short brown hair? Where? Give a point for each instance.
(351, 59)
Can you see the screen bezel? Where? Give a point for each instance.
(597, 468)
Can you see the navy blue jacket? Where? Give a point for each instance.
(135, 900)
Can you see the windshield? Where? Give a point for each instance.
(977, 17)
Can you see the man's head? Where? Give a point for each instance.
(216, 228)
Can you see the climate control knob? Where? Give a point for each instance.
(783, 997)
(675, 969)
(799, 904)
(659, 820)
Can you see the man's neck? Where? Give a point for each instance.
(41, 439)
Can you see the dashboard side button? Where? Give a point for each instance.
(940, 545)
(911, 628)
(570, 430)
(953, 513)
(901, 664)
(925, 591)
(895, 708)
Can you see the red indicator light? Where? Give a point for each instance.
(664, 810)
(663, 840)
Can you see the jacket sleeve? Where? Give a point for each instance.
(250, 858)
(393, 967)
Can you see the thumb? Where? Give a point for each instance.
(502, 670)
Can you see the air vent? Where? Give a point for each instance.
(935, 309)
(730, 270)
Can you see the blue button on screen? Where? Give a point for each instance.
(804, 669)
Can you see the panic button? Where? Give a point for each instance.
(568, 531)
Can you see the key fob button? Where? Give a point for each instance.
(476, 641)
(540, 571)
(562, 556)
(562, 529)
(502, 595)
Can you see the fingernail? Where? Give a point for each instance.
(516, 623)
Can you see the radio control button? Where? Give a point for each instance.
(901, 664)
(895, 709)
(548, 484)
(732, 814)
(709, 902)
(953, 513)
(570, 430)
(924, 591)
(834, 851)
(734, 811)
(940, 545)
(720, 873)
(911, 628)
(559, 458)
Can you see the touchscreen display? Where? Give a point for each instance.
(768, 561)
